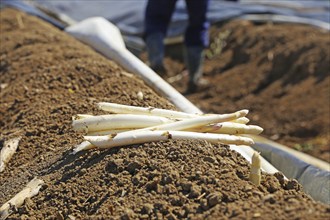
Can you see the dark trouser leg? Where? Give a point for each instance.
(157, 17)
(196, 39)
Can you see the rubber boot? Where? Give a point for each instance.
(155, 50)
(194, 59)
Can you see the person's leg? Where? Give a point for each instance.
(196, 39)
(157, 17)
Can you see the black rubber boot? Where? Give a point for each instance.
(155, 50)
(194, 59)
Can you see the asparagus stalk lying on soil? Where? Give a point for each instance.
(126, 109)
(230, 128)
(119, 121)
(7, 152)
(31, 189)
(122, 139)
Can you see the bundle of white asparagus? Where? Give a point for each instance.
(127, 125)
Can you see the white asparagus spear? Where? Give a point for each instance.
(242, 120)
(126, 109)
(117, 121)
(7, 152)
(229, 128)
(196, 122)
(128, 138)
(255, 172)
(31, 189)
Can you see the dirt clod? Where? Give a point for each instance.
(214, 199)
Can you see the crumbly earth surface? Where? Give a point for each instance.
(280, 72)
(47, 77)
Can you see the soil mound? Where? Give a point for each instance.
(47, 77)
(280, 72)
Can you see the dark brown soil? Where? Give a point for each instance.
(47, 77)
(280, 72)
